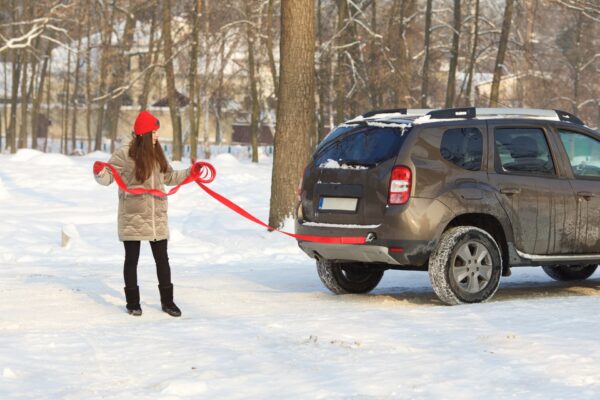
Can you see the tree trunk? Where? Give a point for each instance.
(374, 59)
(495, 91)
(219, 94)
(105, 59)
(269, 46)
(27, 14)
(16, 75)
(469, 98)
(76, 91)
(37, 101)
(425, 79)
(207, 61)
(252, 77)
(578, 63)
(296, 106)
(322, 75)
(451, 87)
(172, 98)
(339, 76)
(402, 70)
(120, 73)
(193, 75)
(88, 77)
(23, 120)
(48, 99)
(153, 55)
(66, 107)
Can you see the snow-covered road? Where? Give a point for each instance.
(257, 322)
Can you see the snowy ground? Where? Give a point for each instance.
(257, 323)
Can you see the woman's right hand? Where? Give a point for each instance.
(98, 168)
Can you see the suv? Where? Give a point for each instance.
(464, 194)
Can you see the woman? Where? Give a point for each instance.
(142, 164)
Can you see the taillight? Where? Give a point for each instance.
(400, 183)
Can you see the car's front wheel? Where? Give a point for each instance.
(343, 278)
(570, 272)
(466, 266)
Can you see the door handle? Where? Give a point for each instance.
(510, 191)
(586, 195)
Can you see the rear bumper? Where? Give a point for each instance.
(348, 252)
(414, 229)
(414, 253)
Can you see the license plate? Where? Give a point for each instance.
(338, 203)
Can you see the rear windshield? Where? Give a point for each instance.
(359, 146)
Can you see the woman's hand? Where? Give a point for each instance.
(196, 170)
(98, 168)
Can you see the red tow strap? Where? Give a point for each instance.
(207, 174)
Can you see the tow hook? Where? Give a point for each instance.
(371, 237)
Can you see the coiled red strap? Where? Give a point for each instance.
(207, 174)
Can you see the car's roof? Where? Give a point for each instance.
(405, 118)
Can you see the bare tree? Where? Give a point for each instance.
(425, 77)
(451, 88)
(499, 66)
(296, 106)
(474, 33)
(172, 98)
(192, 77)
(254, 100)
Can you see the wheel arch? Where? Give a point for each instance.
(488, 223)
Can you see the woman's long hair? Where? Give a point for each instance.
(147, 156)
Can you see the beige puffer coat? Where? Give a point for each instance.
(141, 217)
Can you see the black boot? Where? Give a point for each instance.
(132, 295)
(166, 301)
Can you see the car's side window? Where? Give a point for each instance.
(523, 151)
(463, 147)
(583, 152)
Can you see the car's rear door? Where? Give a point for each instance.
(347, 180)
(532, 188)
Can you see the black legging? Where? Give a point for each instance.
(132, 254)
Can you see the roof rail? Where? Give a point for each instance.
(472, 112)
(568, 117)
(386, 111)
(403, 111)
(444, 113)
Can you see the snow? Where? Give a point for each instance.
(333, 164)
(257, 323)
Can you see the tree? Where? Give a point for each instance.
(425, 79)
(172, 98)
(255, 108)
(192, 77)
(296, 105)
(499, 65)
(451, 88)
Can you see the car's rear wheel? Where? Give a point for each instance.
(570, 272)
(342, 278)
(466, 266)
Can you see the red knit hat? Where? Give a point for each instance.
(145, 123)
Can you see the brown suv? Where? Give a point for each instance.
(465, 194)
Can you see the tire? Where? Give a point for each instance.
(456, 275)
(344, 278)
(570, 272)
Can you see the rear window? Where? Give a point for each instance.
(360, 146)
